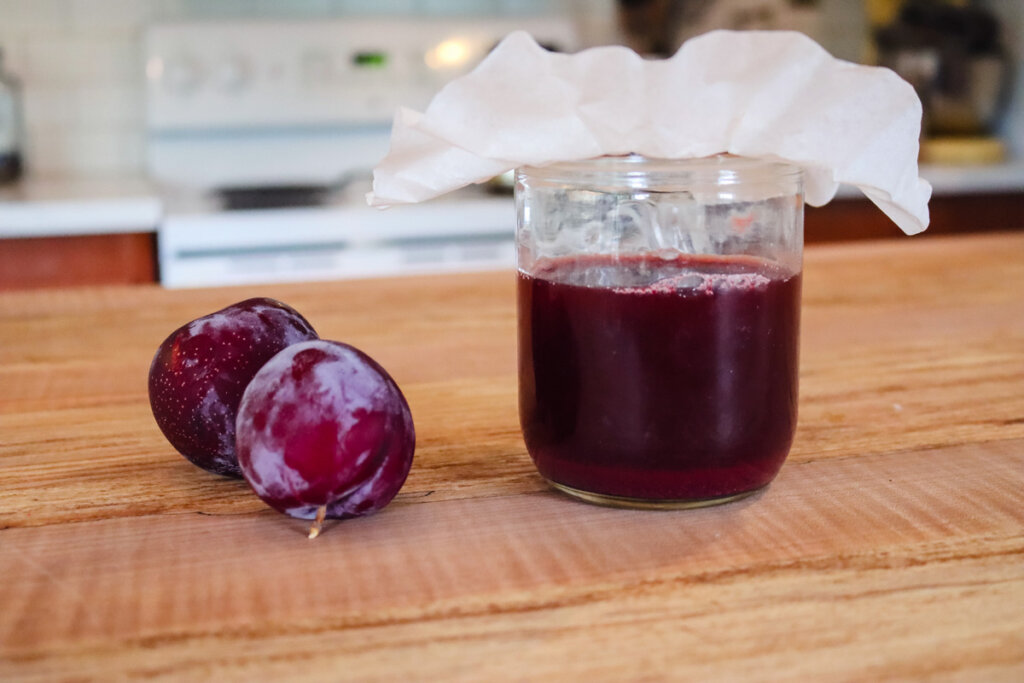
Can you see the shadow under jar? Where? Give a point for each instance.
(659, 313)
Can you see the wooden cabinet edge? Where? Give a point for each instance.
(77, 260)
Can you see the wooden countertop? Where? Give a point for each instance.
(891, 546)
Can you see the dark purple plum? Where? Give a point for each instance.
(199, 373)
(324, 431)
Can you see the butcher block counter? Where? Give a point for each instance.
(891, 546)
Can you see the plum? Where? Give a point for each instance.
(324, 431)
(200, 371)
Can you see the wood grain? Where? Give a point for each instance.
(891, 547)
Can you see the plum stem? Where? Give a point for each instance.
(318, 523)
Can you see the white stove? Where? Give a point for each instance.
(343, 238)
(262, 136)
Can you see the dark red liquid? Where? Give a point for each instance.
(684, 389)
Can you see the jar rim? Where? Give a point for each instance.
(721, 169)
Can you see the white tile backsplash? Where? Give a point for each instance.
(84, 60)
(26, 17)
(116, 104)
(375, 7)
(458, 7)
(50, 106)
(85, 150)
(101, 17)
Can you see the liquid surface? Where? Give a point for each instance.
(659, 378)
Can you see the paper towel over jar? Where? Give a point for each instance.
(773, 95)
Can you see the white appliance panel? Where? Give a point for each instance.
(239, 103)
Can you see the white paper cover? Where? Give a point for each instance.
(774, 95)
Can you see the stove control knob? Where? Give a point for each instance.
(231, 75)
(181, 75)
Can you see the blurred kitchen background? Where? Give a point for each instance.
(204, 142)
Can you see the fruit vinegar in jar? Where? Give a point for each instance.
(682, 389)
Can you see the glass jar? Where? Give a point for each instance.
(659, 312)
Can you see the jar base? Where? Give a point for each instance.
(607, 500)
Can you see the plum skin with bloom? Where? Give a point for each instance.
(199, 373)
(323, 425)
